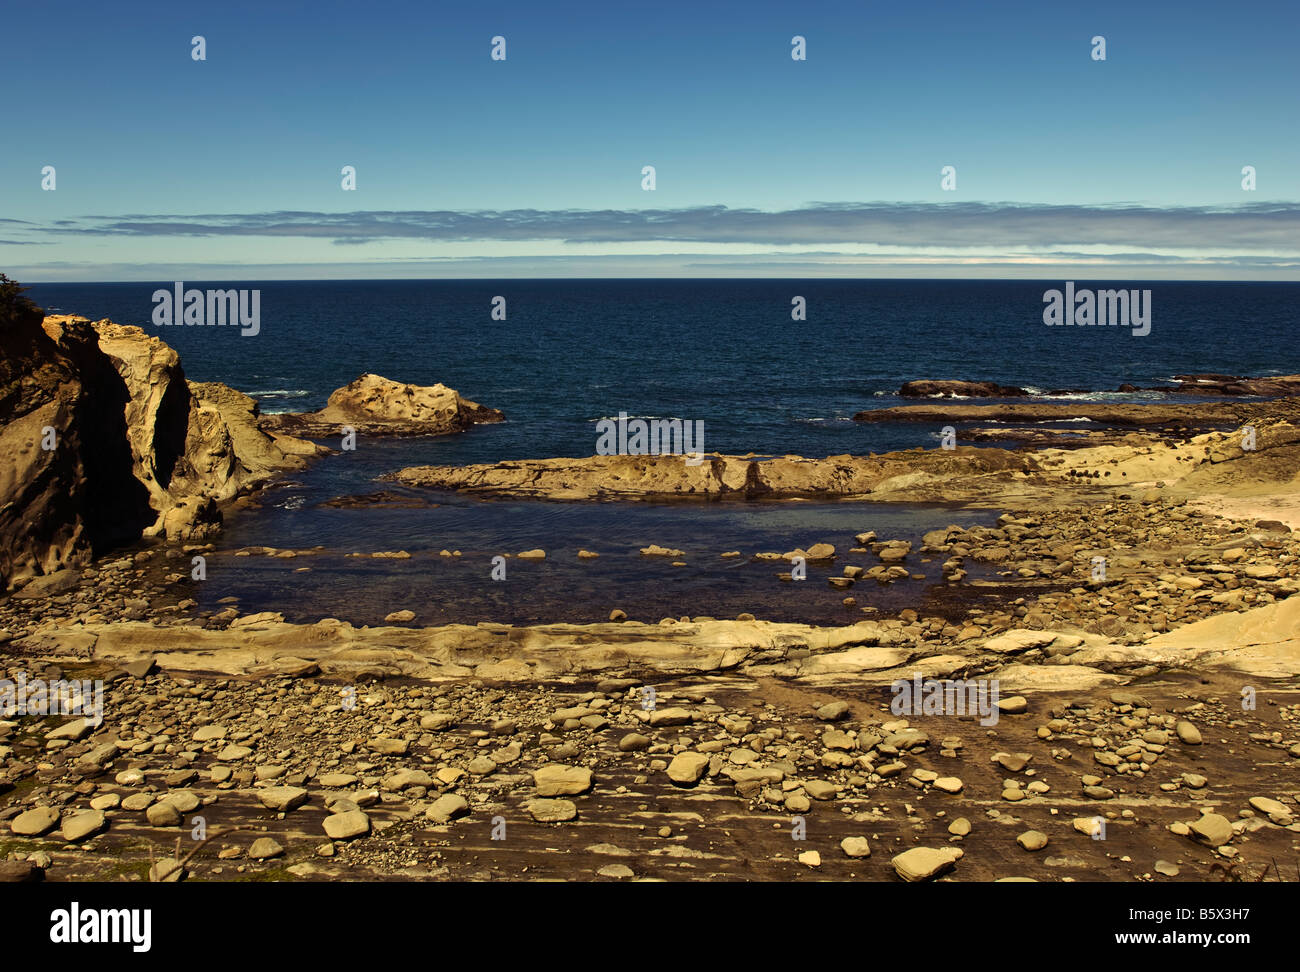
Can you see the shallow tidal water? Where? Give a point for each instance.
(563, 587)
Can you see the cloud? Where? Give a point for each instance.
(952, 226)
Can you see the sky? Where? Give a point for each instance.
(230, 167)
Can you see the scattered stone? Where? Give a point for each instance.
(1032, 840)
(1212, 829)
(163, 814)
(923, 863)
(551, 811)
(447, 808)
(855, 847)
(346, 825)
(34, 822)
(557, 779)
(282, 798)
(265, 848)
(832, 711)
(686, 769)
(79, 826)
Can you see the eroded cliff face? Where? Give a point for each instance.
(41, 489)
(102, 440)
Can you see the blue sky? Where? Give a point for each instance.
(532, 166)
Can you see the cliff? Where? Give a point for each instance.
(103, 440)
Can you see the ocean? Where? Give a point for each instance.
(572, 352)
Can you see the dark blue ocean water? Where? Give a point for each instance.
(724, 352)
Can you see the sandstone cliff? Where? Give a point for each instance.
(379, 406)
(103, 440)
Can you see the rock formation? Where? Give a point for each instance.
(717, 477)
(1187, 414)
(379, 406)
(1210, 463)
(1275, 386)
(960, 389)
(106, 441)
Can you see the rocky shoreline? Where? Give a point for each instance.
(453, 729)
(676, 748)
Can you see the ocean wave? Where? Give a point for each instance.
(647, 418)
(1105, 396)
(280, 393)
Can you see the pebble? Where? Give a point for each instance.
(811, 858)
